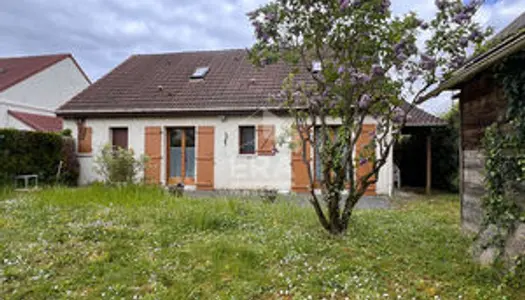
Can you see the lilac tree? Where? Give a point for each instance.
(372, 64)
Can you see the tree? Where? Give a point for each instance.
(371, 65)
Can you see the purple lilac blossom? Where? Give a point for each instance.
(363, 78)
(377, 70)
(385, 4)
(427, 62)
(460, 18)
(441, 4)
(270, 17)
(463, 41)
(475, 35)
(343, 4)
(398, 116)
(402, 57)
(399, 47)
(365, 101)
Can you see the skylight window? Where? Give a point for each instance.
(200, 72)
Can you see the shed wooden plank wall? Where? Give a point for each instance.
(481, 103)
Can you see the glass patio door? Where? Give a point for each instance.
(181, 156)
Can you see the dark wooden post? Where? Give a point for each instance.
(429, 165)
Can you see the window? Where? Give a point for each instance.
(181, 156)
(247, 139)
(119, 138)
(200, 72)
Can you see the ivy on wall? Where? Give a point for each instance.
(504, 146)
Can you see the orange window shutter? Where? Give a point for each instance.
(266, 139)
(85, 136)
(152, 146)
(300, 177)
(205, 158)
(364, 169)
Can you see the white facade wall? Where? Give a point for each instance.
(232, 170)
(43, 92)
(49, 88)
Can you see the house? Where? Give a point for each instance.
(203, 118)
(33, 87)
(482, 102)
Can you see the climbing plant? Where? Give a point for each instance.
(504, 145)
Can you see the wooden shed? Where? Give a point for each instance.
(481, 103)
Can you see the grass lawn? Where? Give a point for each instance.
(134, 243)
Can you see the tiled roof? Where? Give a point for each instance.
(38, 122)
(15, 69)
(420, 118)
(161, 83)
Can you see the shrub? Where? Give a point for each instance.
(70, 166)
(40, 153)
(117, 165)
(268, 195)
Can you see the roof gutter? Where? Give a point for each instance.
(470, 70)
(145, 111)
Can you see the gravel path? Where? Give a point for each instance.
(367, 202)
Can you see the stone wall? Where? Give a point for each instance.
(473, 190)
(482, 103)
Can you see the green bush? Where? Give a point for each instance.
(119, 165)
(27, 152)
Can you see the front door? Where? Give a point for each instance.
(181, 155)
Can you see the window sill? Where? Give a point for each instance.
(247, 155)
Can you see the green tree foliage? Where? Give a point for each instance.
(43, 154)
(371, 65)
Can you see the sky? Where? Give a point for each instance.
(102, 33)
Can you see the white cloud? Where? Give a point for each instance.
(102, 33)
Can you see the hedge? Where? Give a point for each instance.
(26, 152)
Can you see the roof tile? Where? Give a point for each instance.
(15, 69)
(38, 122)
(162, 82)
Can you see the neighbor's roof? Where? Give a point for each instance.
(161, 84)
(16, 69)
(38, 122)
(508, 41)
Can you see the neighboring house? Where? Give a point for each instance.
(203, 118)
(33, 87)
(481, 103)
